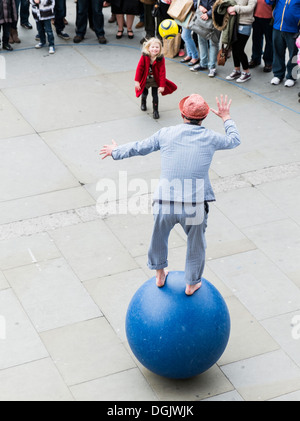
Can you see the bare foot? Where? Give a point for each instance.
(191, 289)
(161, 276)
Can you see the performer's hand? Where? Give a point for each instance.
(138, 86)
(107, 149)
(223, 108)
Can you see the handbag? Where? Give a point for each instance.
(222, 56)
(179, 9)
(171, 46)
(204, 28)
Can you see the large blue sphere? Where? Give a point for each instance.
(175, 335)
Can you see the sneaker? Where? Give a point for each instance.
(275, 81)
(197, 68)
(233, 75)
(212, 72)
(51, 50)
(39, 45)
(26, 25)
(64, 35)
(289, 83)
(244, 77)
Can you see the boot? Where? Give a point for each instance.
(144, 103)
(14, 35)
(11, 41)
(155, 111)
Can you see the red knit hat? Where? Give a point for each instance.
(194, 107)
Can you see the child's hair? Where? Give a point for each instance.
(147, 44)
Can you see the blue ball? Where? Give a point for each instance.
(175, 335)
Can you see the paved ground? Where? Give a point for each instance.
(67, 272)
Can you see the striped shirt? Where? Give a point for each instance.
(186, 154)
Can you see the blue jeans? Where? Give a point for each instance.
(82, 11)
(191, 49)
(44, 27)
(164, 221)
(208, 53)
(281, 42)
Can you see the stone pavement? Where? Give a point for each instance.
(68, 272)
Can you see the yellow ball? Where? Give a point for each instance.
(168, 28)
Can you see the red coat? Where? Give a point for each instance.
(159, 74)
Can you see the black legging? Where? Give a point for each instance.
(154, 94)
(238, 51)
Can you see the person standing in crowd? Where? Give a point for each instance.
(245, 11)
(130, 8)
(262, 29)
(285, 29)
(22, 7)
(192, 57)
(59, 21)
(43, 12)
(149, 20)
(8, 15)
(208, 49)
(82, 13)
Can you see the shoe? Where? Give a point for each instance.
(195, 63)
(139, 25)
(7, 47)
(186, 60)
(235, 74)
(244, 77)
(212, 72)
(64, 35)
(15, 36)
(130, 34)
(253, 63)
(77, 39)
(181, 53)
(155, 112)
(120, 34)
(289, 83)
(51, 50)
(37, 37)
(26, 25)
(275, 81)
(144, 104)
(197, 68)
(39, 45)
(268, 68)
(102, 39)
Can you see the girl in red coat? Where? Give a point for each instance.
(151, 73)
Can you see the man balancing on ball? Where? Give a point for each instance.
(184, 188)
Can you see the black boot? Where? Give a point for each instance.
(155, 111)
(144, 103)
